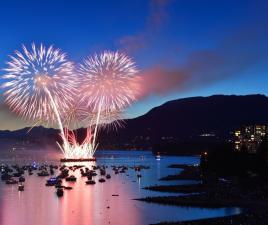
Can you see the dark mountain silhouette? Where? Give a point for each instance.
(182, 120)
(193, 116)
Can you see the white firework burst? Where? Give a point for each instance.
(108, 82)
(35, 76)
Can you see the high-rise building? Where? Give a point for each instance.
(250, 137)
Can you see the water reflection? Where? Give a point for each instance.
(88, 205)
(83, 205)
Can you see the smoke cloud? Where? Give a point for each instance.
(238, 52)
(158, 16)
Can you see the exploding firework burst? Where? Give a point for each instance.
(35, 76)
(40, 85)
(108, 82)
(111, 120)
(108, 86)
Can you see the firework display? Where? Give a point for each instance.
(41, 85)
(108, 85)
(31, 74)
(107, 81)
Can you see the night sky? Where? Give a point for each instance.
(183, 48)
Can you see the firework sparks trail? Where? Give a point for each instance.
(32, 71)
(108, 84)
(65, 143)
(97, 123)
(75, 150)
(40, 86)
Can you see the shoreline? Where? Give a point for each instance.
(203, 201)
(240, 219)
(214, 193)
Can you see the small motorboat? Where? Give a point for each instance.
(90, 182)
(43, 173)
(21, 179)
(102, 172)
(21, 187)
(158, 156)
(11, 181)
(93, 173)
(5, 176)
(59, 186)
(52, 172)
(71, 178)
(53, 181)
(64, 173)
(101, 180)
(139, 175)
(17, 174)
(68, 188)
(59, 192)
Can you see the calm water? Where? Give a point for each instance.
(88, 205)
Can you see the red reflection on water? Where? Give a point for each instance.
(84, 205)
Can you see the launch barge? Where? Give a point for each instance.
(78, 160)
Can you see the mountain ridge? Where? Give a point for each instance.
(177, 120)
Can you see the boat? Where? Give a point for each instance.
(68, 188)
(101, 180)
(90, 182)
(5, 176)
(21, 187)
(158, 156)
(43, 173)
(108, 176)
(78, 160)
(53, 181)
(59, 192)
(52, 172)
(102, 172)
(71, 178)
(21, 179)
(17, 174)
(64, 173)
(11, 181)
(93, 173)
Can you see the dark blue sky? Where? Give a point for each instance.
(194, 47)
